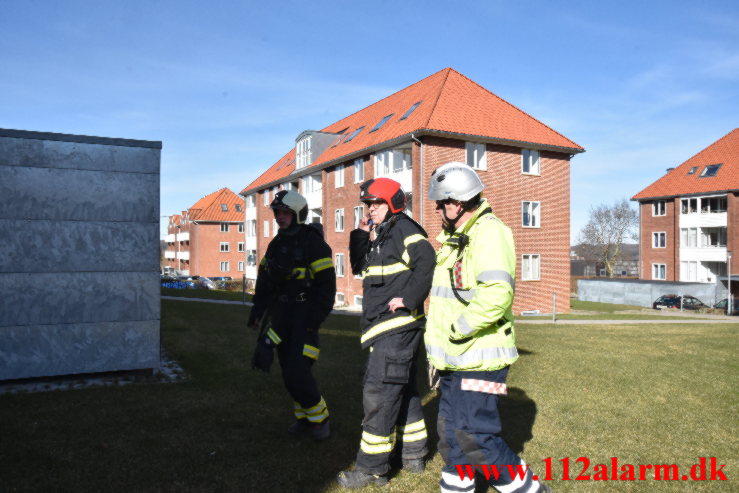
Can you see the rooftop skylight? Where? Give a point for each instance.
(224, 207)
(710, 170)
(381, 122)
(354, 134)
(693, 170)
(410, 110)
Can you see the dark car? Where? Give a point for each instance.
(673, 301)
(724, 304)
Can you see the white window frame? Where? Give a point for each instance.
(224, 227)
(659, 208)
(275, 228)
(656, 268)
(266, 196)
(534, 213)
(532, 158)
(241, 266)
(358, 170)
(241, 227)
(303, 153)
(531, 274)
(358, 215)
(250, 253)
(339, 264)
(659, 239)
(251, 228)
(224, 267)
(360, 298)
(339, 220)
(241, 246)
(266, 229)
(224, 247)
(339, 176)
(337, 301)
(250, 201)
(476, 155)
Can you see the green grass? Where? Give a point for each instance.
(593, 306)
(206, 294)
(654, 394)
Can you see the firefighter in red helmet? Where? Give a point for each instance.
(392, 253)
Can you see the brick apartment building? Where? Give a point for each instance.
(208, 238)
(689, 218)
(524, 164)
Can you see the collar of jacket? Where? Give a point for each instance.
(444, 237)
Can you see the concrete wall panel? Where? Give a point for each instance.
(46, 246)
(46, 350)
(75, 155)
(78, 297)
(45, 193)
(641, 293)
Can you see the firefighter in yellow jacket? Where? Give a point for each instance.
(470, 336)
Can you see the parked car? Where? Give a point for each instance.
(673, 301)
(724, 304)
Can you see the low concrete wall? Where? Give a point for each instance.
(642, 293)
(79, 254)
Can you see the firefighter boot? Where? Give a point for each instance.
(414, 465)
(359, 479)
(299, 427)
(321, 431)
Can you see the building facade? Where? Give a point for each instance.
(689, 218)
(208, 239)
(524, 165)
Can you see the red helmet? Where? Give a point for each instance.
(383, 189)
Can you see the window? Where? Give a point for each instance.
(659, 240)
(381, 123)
(250, 201)
(241, 266)
(274, 191)
(689, 271)
(530, 267)
(339, 220)
(688, 206)
(241, 227)
(266, 229)
(339, 301)
(476, 155)
(358, 214)
(303, 153)
(390, 162)
(354, 134)
(274, 227)
(339, 173)
(713, 204)
(224, 267)
(312, 183)
(659, 208)
(224, 246)
(339, 265)
(530, 162)
(238, 207)
(693, 170)
(410, 110)
(713, 237)
(530, 214)
(659, 272)
(358, 170)
(710, 170)
(241, 246)
(689, 237)
(224, 227)
(266, 196)
(358, 300)
(251, 258)
(251, 228)
(224, 207)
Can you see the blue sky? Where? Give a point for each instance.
(227, 86)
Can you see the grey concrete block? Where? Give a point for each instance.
(43, 193)
(46, 350)
(75, 155)
(78, 297)
(68, 246)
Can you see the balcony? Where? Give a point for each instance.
(183, 255)
(169, 238)
(705, 254)
(183, 236)
(169, 254)
(704, 220)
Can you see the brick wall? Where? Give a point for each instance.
(732, 235)
(205, 254)
(669, 223)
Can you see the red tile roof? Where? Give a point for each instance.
(450, 103)
(724, 151)
(208, 209)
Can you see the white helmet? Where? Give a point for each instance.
(291, 201)
(454, 181)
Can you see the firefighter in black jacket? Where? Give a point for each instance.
(397, 267)
(295, 291)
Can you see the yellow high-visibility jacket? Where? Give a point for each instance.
(480, 335)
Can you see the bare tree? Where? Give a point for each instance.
(608, 228)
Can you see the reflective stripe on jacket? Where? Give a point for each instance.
(481, 334)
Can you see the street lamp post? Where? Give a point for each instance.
(729, 300)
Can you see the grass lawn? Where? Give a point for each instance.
(657, 394)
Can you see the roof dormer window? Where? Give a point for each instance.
(303, 153)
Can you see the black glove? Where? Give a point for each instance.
(264, 354)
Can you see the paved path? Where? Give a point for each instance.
(714, 319)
